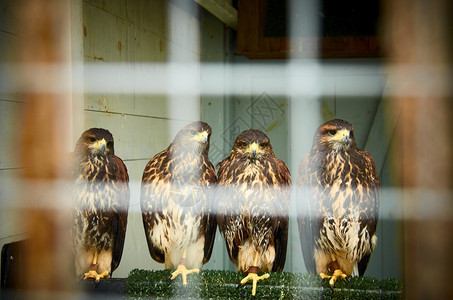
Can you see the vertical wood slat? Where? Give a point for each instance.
(419, 46)
(44, 143)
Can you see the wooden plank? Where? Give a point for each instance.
(10, 212)
(135, 137)
(101, 42)
(43, 145)
(9, 21)
(155, 106)
(10, 125)
(147, 46)
(77, 59)
(424, 153)
(117, 7)
(150, 16)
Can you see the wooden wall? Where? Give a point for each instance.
(11, 106)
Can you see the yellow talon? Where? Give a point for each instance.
(254, 277)
(333, 278)
(181, 269)
(93, 274)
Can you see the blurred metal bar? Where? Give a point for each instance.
(419, 32)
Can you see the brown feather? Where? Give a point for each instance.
(338, 201)
(102, 201)
(176, 192)
(254, 204)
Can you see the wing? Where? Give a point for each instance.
(284, 176)
(308, 224)
(120, 222)
(155, 177)
(209, 176)
(281, 229)
(280, 244)
(209, 235)
(371, 187)
(224, 212)
(363, 264)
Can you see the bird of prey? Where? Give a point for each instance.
(254, 207)
(175, 202)
(102, 201)
(338, 204)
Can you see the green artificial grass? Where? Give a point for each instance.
(142, 284)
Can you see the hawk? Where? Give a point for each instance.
(254, 208)
(338, 202)
(175, 202)
(102, 201)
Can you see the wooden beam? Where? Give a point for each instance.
(43, 146)
(222, 10)
(418, 35)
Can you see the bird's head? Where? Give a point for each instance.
(336, 135)
(95, 142)
(195, 136)
(252, 144)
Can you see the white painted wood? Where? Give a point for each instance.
(11, 226)
(149, 16)
(11, 106)
(135, 137)
(117, 7)
(10, 124)
(76, 48)
(105, 35)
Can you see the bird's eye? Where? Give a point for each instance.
(110, 144)
(332, 132)
(92, 139)
(192, 132)
(243, 144)
(264, 144)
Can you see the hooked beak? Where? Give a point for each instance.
(344, 136)
(99, 145)
(202, 137)
(254, 149)
(346, 139)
